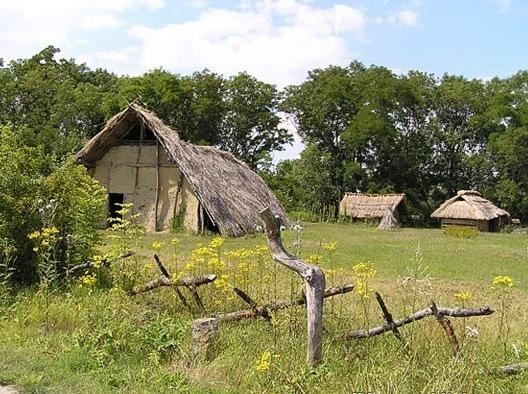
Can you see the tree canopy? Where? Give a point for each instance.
(364, 128)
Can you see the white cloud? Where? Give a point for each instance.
(29, 25)
(504, 5)
(407, 18)
(277, 41)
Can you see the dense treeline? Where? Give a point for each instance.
(364, 128)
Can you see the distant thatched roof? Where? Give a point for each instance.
(230, 192)
(362, 206)
(469, 204)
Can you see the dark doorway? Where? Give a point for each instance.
(114, 205)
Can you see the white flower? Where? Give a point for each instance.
(52, 201)
(48, 206)
(282, 228)
(41, 210)
(259, 229)
(297, 228)
(472, 332)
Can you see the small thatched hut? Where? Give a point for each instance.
(468, 208)
(381, 208)
(140, 160)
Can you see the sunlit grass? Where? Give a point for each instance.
(103, 340)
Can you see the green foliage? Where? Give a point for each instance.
(40, 197)
(250, 127)
(461, 232)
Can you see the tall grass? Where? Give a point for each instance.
(101, 339)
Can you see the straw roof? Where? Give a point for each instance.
(362, 206)
(469, 204)
(230, 192)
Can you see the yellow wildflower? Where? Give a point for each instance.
(314, 259)
(330, 246)
(156, 245)
(463, 296)
(502, 281)
(216, 242)
(175, 241)
(264, 362)
(362, 273)
(88, 280)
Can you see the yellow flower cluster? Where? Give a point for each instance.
(463, 296)
(44, 238)
(329, 247)
(314, 259)
(502, 281)
(216, 242)
(97, 260)
(88, 280)
(156, 245)
(264, 362)
(175, 241)
(362, 272)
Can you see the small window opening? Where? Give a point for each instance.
(115, 200)
(134, 135)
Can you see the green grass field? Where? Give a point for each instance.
(101, 340)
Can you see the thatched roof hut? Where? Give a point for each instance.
(378, 207)
(469, 208)
(141, 160)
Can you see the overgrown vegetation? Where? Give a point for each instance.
(49, 212)
(101, 339)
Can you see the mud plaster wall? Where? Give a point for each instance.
(131, 170)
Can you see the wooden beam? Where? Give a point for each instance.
(314, 280)
(156, 200)
(458, 312)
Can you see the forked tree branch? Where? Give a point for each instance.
(456, 312)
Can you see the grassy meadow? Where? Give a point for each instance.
(92, 336)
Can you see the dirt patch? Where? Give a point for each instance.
(7, 390)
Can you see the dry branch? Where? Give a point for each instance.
(191, 282)
(314, 280)
(89, 263)
(388, 317)
(264, 310)
(447, 327)
(186, 281)
(451, 312)
(513, 369)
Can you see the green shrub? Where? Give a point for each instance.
(461, 232)
(57, 205)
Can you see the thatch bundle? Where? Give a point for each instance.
(382, 207)
(231, 194)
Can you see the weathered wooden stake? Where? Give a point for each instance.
(204, 332)
(447, 327)
(388, 318)
(314, 280)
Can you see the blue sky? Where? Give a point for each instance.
(278, 41)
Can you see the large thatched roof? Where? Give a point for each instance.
(468, 204)
(362, 206)
(230, 192)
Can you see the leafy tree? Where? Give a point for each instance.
(322, 108)
(52, 103)
(251, 127)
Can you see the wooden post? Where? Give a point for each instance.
(156, 201)
(314, 280)
(204, 332)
